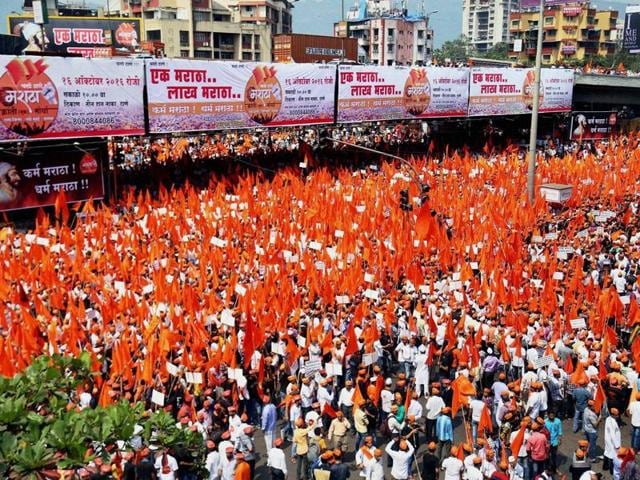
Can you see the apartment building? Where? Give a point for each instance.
(387, 35)
(486, 22)
(214, 29)
(570, 32)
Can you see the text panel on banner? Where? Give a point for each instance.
(509, 91)
(368, 93)
(191, 95)
(36, 179)
(52, 97)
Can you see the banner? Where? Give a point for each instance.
(547, 3)
(631, 39)
(85, 36)
(191, 95)
(35, 179)
(593, 125)
(509, 91)
(368, 93)
(52, 97)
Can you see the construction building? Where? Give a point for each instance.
(570, 32)
(486, 22)
(386, 34)
(214, 29)
(301, 48)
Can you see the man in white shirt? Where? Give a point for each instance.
(276, 461)
(415, 408)
(405, 355)
(434, 406)
(402, 458)
(212, 463)
(386, 398)
(306, 395)
(166, 466)
(422, 371)
(452, 466)
(473, 472)
(376, 472)
(325, 393)
(476, 406)
(612, 439)
(634, 413)
(365, 457)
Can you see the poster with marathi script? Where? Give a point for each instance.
(192, 95)
(370, 93)
(37, 178)
(509, 91)
(53, 97)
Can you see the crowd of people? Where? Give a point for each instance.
(459, 337)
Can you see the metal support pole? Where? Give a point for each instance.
(531, 172)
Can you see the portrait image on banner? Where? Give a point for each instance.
(191, 95)
(371, 93)
(37, 178)
(52, 97)
(502, 91)
(631, 38)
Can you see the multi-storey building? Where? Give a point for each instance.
(386, 35)
(216, 29)
(486, 22)
(570, 32)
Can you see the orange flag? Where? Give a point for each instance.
(485, 423)
(599, 398)
(352, 341)
(462, 388)
(579, 375)
(516, 445)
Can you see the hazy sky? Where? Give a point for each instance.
(317, 16)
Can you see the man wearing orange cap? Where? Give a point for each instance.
(580, 397)
(401, 454)
(591, 422)
(430, 463)
(537, 448)
(269, 418)
(452, 466)
(612, 439)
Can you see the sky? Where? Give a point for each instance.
(317, 16)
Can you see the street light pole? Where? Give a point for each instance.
(531, 171)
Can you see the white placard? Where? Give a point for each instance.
(226, 318)
(312, 366)
(369, 278)
(218, 242)
(578, 323)
(558, 275)
(315, 246)
(551, 236)
(369, 358)
(240, 290)
(172, 369)
(277, 348)
(157, 398)
(342, 299)
(339, 234)
(371, 294)
(543, 361)
(333, 369)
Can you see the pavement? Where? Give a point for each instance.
(568, 445)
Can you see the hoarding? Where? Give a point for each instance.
(85, 36)
(502, 91)
(367, 93)
(53, 97)
(593, 125)
(37, 178)
(631, 39)
(191, 95)
(547, 3)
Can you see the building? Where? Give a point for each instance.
(571, 32)
(215, 29)
(299, 48)
(387, 35)
(486, 22)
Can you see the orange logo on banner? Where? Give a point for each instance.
(126, 35)
(263, 95)
(527, 90)
(417, 92)
(28, 97)
(88, 164)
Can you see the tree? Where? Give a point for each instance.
(454, 50)
(500, 51)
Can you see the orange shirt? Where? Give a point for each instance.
(243, 472)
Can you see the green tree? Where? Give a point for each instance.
(457, 50)
(500, 51)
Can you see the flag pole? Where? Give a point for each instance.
(533, 131)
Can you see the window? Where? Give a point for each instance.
(390, 32)
(390, 48)
(548, 20)
(246, 41)
(256, 42)
(256, 56)
(155, 36)
(420, 34)
(203, 54)
(184, 38)
(419, 48)
(390, 63)
(200, 16)
(375, 48)
(184, 53)
(201, 37)
(246, 56)
(546, 58)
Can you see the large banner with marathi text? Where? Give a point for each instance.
(509, 91)
(192, 95)
(369, 93)
(53, 97)
(37, 178)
